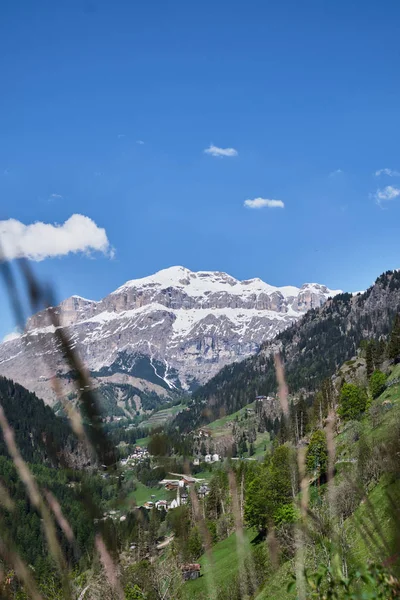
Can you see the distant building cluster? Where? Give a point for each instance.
(139, 455)
(182, 487)
(202, 433)
(208, 458)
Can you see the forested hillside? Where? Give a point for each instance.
(41, 436)
(312, 349)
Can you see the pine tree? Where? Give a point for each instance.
(317, 453)
(369, 359)
(195, 544)
(284, 432)
(394, 342)
(376, 354)
(243, 446)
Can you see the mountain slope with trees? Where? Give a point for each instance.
(41, 436)
(312, 350)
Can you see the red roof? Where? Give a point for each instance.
(191, 567)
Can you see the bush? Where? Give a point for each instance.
(377, 384)
(286, 538)
(352, 401)
(347, 498)
(133, 592)
(285, 514)
(372, 461)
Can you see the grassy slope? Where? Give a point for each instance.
(143, 494)
(142, 442)
(276, 587)
(262, 440)
(224, 566)
(206, 475)
(220, 427)
(162, 416)
(362, 548)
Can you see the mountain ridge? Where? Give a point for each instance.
(181, 325)
(312, 349)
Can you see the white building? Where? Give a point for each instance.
(203, 491)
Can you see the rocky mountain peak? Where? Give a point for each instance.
(182, 325)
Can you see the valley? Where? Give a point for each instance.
(210, 490)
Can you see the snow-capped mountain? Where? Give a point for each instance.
(172, 330)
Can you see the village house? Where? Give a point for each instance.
(111, 514)
(173, 504)
(187, 480)
(170, 484)
(203, 491)
(190, 571)
(210, 458)
(203, 433)
(172, 487)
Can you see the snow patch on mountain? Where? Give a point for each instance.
(188, 325)
(202, 282)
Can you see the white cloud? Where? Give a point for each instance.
(337, 172)
(140, 142)
(263, 203)
(44, 240)
(121, 135)
(220, 152)
(56, 197)
(389, 172)
(387, 193)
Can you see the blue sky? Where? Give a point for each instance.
(307, 93)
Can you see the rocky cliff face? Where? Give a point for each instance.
(172, 330)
